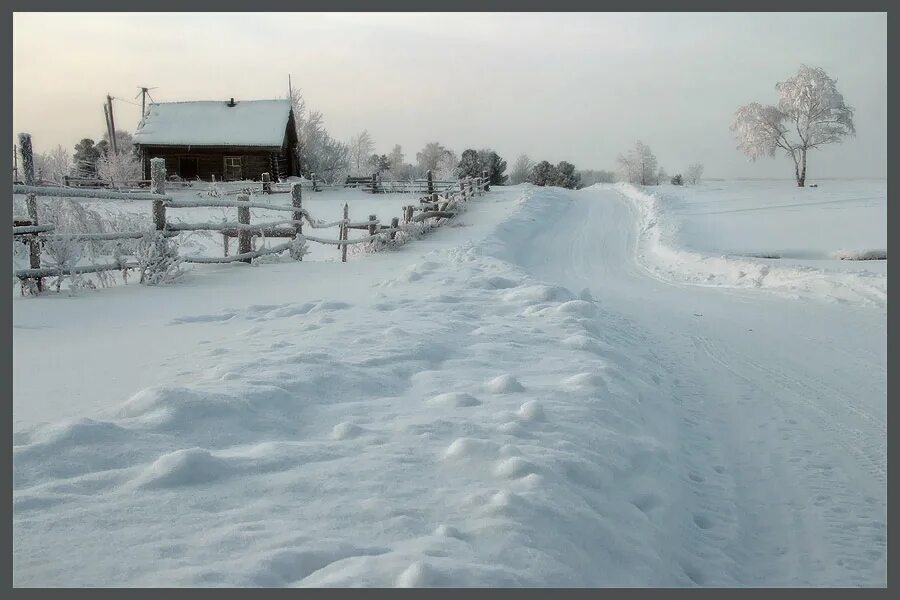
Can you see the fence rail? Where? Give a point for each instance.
(444, 200)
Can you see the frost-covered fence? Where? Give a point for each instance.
(433, 209)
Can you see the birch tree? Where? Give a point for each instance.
(810, 113)
(638, 166)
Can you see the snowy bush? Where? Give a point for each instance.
(158, 259)
(694, 172)
(118, 168)
(299, 247)
(62, 253)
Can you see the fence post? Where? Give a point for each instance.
(372, 225)
(244, 236)
(314, 182)
(395, 222)
(266, 183)
(462, 189)
(158, 186)
(430, 178)
(344, 230)
(374, 183)
(34, 244)
(297, 203)
(486, 181)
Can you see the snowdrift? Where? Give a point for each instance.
(662, 257)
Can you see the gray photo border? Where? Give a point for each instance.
(387, 6)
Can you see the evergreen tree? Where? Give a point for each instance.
(543, 173)
(566, 176)
(469, 165)
(85, 158)
(494, 165)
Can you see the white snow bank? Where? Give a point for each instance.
(660, 254)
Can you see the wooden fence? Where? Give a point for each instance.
(432, 210)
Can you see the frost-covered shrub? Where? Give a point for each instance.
(62, 253)
(299, 247)
(118, 168)
(158, 260)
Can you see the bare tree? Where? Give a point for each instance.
(53, 165)
(361, 148)
(521, 169)
(694, 172)
(436, 158)
(810, 113)
(638, 165)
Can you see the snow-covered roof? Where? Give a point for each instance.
(215, 123)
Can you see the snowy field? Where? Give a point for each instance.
(770, 234)
(539, 394)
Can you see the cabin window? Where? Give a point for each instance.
(233, 168)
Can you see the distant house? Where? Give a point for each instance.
(227, 140)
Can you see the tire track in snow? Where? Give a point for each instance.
(823, 496)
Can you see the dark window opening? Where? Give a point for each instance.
(187, 167)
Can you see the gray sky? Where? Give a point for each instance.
(557, 86)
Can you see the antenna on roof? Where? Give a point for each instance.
(145, 91)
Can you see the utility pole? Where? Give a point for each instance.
(112, 126)
(144, 92)
(106, 120)
(290, 89)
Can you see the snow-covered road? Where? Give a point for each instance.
(782, 402)
(515, 400)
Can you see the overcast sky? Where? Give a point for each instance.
(557, 86)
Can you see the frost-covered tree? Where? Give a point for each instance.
(361, 147)
(433, 157)
(694, 173)
(521, 170)
(638, 166)
(677, 180)
(469, 164)
(542, 173)
(118, 168)
(317, 151)
(810, 113)
(566, 176)
(396, 158)
(124, 143)
(85, 158)
(661, 175)
(378, 163)
(332, 162)
(494, 165)
(53, 165)
(474, 163)
(590, 177)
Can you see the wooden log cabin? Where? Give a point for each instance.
(229, 140)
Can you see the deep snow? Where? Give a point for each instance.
(509, 401)
(769, 234)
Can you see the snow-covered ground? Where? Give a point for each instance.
(771, 234)
(512, 400)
